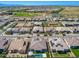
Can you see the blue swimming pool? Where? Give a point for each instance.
(37, 55)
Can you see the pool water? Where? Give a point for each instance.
(37, 56)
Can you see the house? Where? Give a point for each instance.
(15, 30)
(3, 21)
(38, 44)
(68, 20)
(48, 29)
(18, 45)
(28, 18)
(19, 25)
(73, 42)
(28, 24)
(37, 23)
(69, 24)
(58, 45)
(25, 30)
(66, 30)
(37, 29)
(75, 30)
(4, 43)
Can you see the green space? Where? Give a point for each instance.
(25, 14)
(2, 55)
(46, 33)
(37, 52)
(76, 52)
(61, 55)
(45, 24)
(47, 54)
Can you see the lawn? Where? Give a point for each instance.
(25, 14)
(76, 52)
(45, 24)
(61, 55)
(2, 55)
(47, 54)
(16, 55)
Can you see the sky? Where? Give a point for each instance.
(31, 3)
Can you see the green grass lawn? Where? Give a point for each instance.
(45, 24)
(47, 54)
(76, 52)
(2, 55)
(61, 55)
(25, 14)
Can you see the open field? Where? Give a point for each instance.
(24, 14)
(73, 11)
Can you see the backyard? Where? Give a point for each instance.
(66, 55)
(76, 52)
(2, 55)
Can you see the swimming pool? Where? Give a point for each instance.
(37, 56)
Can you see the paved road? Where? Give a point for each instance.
(35, 36)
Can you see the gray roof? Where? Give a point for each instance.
(15, 29)
(72, 41)
(36, 28)
(3, 41)
(18, 44)
(57, 44)
(25, 29)
(38, 43)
